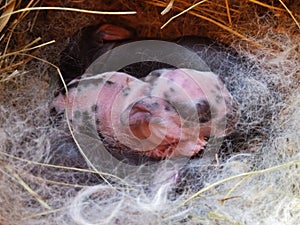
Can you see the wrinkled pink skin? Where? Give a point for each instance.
(160, 133)
(139, 114)
(188, 87)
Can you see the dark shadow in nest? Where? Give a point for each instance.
(65, 154)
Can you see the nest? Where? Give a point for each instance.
(255, 180)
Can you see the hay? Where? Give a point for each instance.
(253, 180)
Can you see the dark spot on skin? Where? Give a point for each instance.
(204, 111)
(126, 91)
(155, 105)
(94, 108)
(169, 108)
(172, 89)
(147, 105)
(166, 96)
(109, 82)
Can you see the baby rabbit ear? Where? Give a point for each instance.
(110, 32)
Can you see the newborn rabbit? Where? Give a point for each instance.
(150, 109)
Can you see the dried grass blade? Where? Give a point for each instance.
(28, 189)
(184, 11)
(68, 9)
(290, 12)
(168, 8)
(9, 8)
